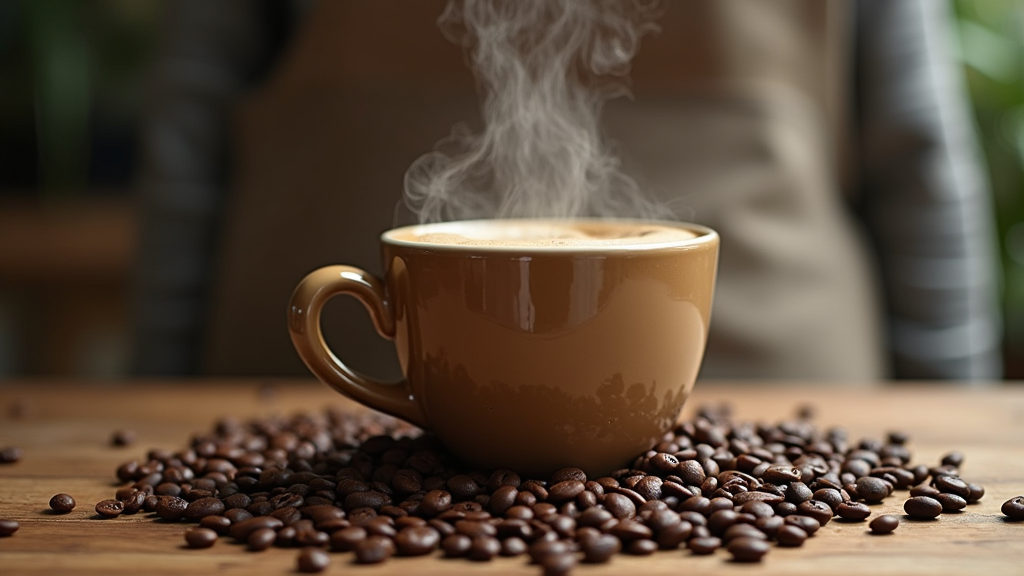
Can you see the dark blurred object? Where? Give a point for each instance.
(71, 94)
(992, 51)
(829, 143)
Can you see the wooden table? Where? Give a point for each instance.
(65, 431)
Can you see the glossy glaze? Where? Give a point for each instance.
(532, 359)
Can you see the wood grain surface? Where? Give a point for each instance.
(65, 430)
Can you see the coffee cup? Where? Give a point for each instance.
(528, 344)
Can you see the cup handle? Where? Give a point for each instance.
(304, 326)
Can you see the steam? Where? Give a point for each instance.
(544, 70)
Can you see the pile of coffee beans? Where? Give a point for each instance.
(373, 487)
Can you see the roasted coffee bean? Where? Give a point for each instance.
(483, 548)
(171, 508)
(769, 525)
(950, 502)
(829, 496)
(805, 523)
(243, 529)
(565, 491)
(884, 524)
(514, 546)
(619, 506)
(952, 485)
(871, 489)
(198, 509)
(955, 459)
(742, 531)
(704, 545)
(345, 539)
(200, 537)
(856, 511)
(977, 492)
(373, 550)
(8, 527)
(435, 502)
(757, 496)
(261, 539)
(122, 438)
(600, 549)
(820, 511)
(236, 515)
(922, 507)
(747, 549)
(781, 474)
(790, 535)
(925, 490)
(642, 547)
(10, 455)
(312, 560)
(62, 503)
(456, 545)
(558, 564)
(109, 508)
(1013, 508)
(691, 472)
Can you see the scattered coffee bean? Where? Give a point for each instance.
(200, 537)
(857, 511)
(109, 508)
(375, 486)
(790, 536)
(704, 545)
(8, 527)
(123, 438)
(922, 507)
(313, 560)
(62, 503)
(10, 455)
(950, 502)
(1013, 508)
(747, 549)
(884, 524)
(261, 539)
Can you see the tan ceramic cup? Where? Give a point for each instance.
(534, 357)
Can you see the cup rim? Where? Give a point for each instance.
(704, 236)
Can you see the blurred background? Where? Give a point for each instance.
(72, 81)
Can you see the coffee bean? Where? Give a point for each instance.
(200, 537)
(747, 549)
(558, 564)
(805, 523)
(198, 509)
(820, 511)
(243, 529)
(704, 545)
(922, 507)
(62, 503)
(261, 539)
(955, 459)
(123, 438)
(884, 524)
(1013, 508)
(600, 549)
(565, 491)
(871, 489)
(856, 511)
(8, 527)
(950, 502)
(781, 474)
(642, 547)
(109, 508)
(10, 455)
(312, 560)
(456, 545)
(435, 502)
(513, 546)
(373, 550)
(952, 485)
(742, 531)
(790, 535)
(171, 507)
(619, 506)
(483, 548)
(924, 490)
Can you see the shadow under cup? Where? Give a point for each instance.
(532, 345)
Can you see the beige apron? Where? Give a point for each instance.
(738, 122)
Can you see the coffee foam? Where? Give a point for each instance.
(512, 234)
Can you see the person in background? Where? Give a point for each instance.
(829, 143)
